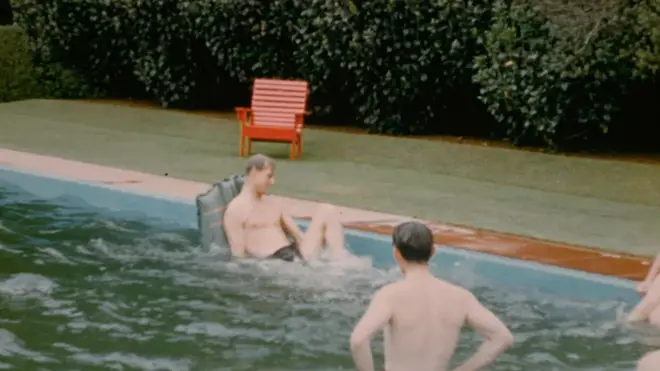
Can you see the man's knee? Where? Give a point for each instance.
(650, 362)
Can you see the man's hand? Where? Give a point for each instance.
(291, 228)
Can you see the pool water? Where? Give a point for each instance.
(83, 290)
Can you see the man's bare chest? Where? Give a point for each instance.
(262, 214)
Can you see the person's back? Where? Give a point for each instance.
(422, 316)
(427, 317)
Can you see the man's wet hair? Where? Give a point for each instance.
(414, 240)
(259, 162)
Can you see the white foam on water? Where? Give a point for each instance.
(27, 285)
(11, 345)
(6, 229)
(58, 256)
(132, 361)
(111, 225)
(9, 249)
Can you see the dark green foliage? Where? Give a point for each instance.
(648, 54)
(552, 72)
(16, 74)
(21, 79)
(410, 57)
(556, 81)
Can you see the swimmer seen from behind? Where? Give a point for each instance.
(422, 316)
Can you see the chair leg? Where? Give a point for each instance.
(292, 151)
(241, 147)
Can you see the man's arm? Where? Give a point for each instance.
(497, 337)
(650, 302)
(235, 233)
(378, 314)
(289, 225)
(650, 276)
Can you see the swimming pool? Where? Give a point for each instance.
(108, 278)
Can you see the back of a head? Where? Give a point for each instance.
(259, 162)
(414, 241)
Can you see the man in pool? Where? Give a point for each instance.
(648, 309)
(650, 362)
(422, 316)
(256, 225)
(654, 271)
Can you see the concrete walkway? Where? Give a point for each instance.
(608, 204)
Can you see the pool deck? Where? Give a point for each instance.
(508, 245)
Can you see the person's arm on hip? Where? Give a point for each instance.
(376, 317)
(497, 336)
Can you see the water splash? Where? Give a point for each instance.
(108, 293)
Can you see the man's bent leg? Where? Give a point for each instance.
(650, 362)
(325, 228)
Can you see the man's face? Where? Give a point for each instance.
(263, 179)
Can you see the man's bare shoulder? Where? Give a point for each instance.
(389, 290)
(456, 292)
(236, 207)
(273, 203)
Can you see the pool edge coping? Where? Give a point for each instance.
(564, 255)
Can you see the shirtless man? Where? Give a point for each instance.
(422, 316)
(650, 362)
(644, 286)
(649, 308)
(256, 226)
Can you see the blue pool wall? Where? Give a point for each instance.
(511, 273)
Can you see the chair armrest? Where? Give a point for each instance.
(300, 119)
(243, 114)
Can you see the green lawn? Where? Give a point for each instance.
(575, 200)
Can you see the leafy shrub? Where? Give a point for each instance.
(394, 61)
(58, 82)
(325, 39)
(93, 45)
(410, 57)
(20, 78)
(553, 72)
(648, 54)
(557, 76)
(16, 73)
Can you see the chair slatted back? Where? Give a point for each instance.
(276, 102)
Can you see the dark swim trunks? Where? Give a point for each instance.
(288, 253)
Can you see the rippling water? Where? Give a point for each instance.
(80, 290)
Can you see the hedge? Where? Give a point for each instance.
(16, 74)
(550, 72)
(548, 80)
(21, 79)
(648, 55)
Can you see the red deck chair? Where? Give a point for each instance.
(277, 115)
